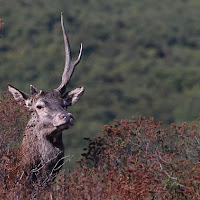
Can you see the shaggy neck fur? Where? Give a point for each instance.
(42, 147)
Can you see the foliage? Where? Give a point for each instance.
(138, 159)
(13, 119)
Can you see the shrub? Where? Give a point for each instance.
(138, 159)
(13, 119)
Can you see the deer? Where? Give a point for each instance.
(42, 149)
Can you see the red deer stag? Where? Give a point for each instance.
(42, 147)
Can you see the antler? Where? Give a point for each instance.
(69, 64)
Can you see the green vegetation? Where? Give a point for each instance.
(139, 58)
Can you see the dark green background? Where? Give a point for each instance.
(140, 57)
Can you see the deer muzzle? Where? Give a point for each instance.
(64, 119)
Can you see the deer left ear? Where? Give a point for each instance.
(73, 96)
(17, 94)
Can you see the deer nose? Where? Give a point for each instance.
(68, 117)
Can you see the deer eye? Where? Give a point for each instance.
(39, 107)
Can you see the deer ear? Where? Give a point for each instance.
(34, 90)
(73, 96)
(17, 94)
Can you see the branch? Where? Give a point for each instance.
(50, 176)
(166, 173)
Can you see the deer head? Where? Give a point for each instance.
(50, 108)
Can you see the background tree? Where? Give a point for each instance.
(139, 58)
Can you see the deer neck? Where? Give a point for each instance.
(42, 144)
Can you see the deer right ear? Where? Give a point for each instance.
(17, 94)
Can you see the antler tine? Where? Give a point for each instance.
(69, 64)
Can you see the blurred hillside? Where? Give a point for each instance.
(139, 58)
